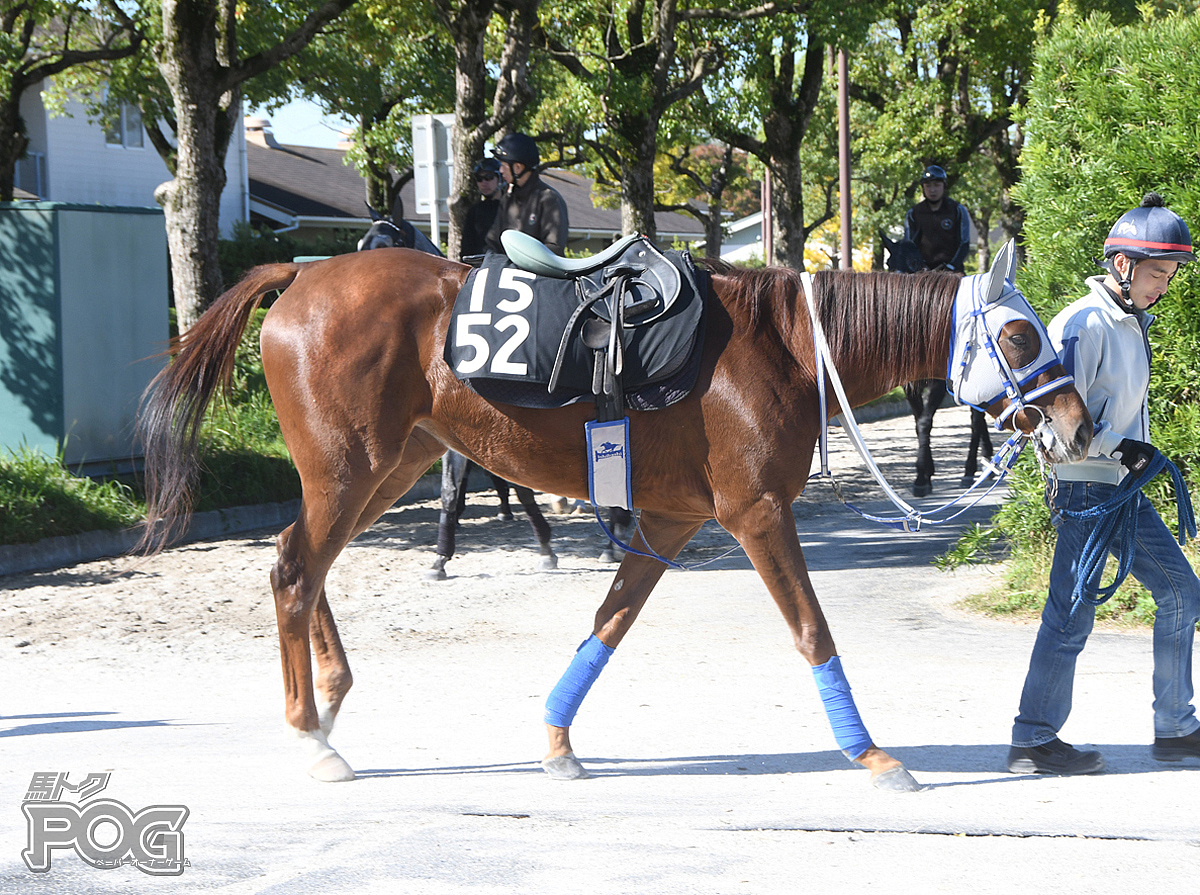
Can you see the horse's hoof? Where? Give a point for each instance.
(504, 516)
(332, 769)
(896, 779)
(437, 571)
(967, 481)
(548, 563)
(922, 489)
(611, 554)
(559, 506)
(564, 767)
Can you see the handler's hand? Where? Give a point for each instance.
(1134, 455)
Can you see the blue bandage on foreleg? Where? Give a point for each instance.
(852, 737)
(566, 697)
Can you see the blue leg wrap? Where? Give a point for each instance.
(852, 737)
(566, 697)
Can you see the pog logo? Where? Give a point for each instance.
(104, 832)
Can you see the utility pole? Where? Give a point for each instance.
(843, 70)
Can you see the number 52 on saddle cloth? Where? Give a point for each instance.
(624, 329)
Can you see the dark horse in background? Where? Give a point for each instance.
(353, 357)
(925, 396)
(385, 233)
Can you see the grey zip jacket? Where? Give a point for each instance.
(1108, 352)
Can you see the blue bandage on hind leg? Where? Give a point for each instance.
(566, 697)
(852, 737)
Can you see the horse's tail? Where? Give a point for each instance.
(173, 405)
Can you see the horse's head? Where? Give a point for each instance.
(383, 234)
(903, 256)
(1003, 361)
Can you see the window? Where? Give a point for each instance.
(30, 174)
(127, 129)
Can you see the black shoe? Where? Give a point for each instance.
(1054, 757)
(1177, 748)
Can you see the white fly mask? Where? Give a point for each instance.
(978, 371)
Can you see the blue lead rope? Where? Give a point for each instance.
(1116, 530)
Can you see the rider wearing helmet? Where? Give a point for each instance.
(939, 226)
(482, 214)
(528, 204)
(1103, 342)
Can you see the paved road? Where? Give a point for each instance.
(713, 768)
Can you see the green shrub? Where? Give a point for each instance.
(250, 247)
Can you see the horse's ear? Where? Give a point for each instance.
(1004, 267)
(887, 243)
(375, 215)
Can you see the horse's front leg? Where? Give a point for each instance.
(631, 586)
(767, 531)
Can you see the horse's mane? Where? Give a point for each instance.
(871, 320)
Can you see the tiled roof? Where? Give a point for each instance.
(308, 182)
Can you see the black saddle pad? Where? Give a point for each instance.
(508, 323)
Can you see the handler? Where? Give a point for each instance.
(1102, 340)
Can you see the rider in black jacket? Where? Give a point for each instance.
(528, 204)
(940, 227)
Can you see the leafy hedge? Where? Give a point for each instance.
(1113, 113)
(250, 247)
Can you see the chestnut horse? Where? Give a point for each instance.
(366, 403)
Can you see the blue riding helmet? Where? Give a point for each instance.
(1150, 231)
(933, 172)
(517, 148)
(487, 166)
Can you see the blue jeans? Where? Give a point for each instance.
(1161, 567)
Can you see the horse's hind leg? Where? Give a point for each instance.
(503, 490)
(455, 468)
(620, 523)
(541, 528)
(631, 586)
(767, 531)
(329, 519)
(333, 680)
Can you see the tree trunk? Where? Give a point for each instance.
(205, 120)
(787, 211)
(13, 143)
(468, 140)
(637, 184)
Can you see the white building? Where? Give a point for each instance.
(73, 160)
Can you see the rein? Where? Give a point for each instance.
(1116, 530)
(999, 466)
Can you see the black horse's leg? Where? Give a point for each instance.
(924, 397)
(980, 437)
(620, 523)
(503, 488)
(454, 492)
(541, 528)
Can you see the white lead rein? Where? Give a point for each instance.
(998, 466)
